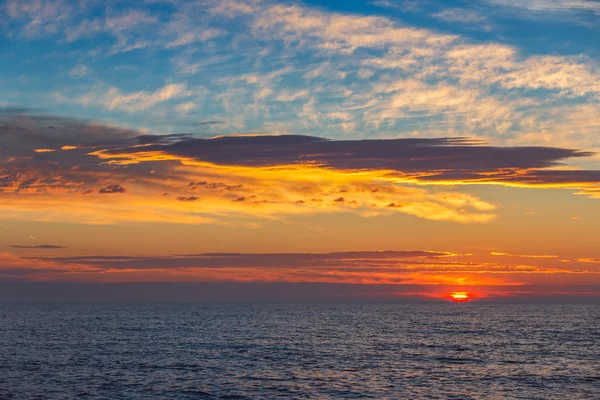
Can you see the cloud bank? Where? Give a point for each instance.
(40, 246)
(434, 269)
(264, 176)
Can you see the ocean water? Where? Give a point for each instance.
(310, 351)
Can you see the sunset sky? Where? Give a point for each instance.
(412, 147)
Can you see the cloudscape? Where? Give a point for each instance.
(413, 148)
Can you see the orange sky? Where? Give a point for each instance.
(159, 212)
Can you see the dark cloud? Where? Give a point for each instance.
(216, 186)
(22, 132)
(112, 189)
(69, 167)
(432, 160)
(188, 198)
(211, 122)
(15, 110)
(428, 159)
(410, 155)
(359, 259)
(162, 139)
(40, 246)
(194, 123)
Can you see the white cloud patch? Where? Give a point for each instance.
(574, 12)
(114, 99)
(468, 19)
(116, 25)
(340, 32)
(590, 6)
(38, 17)
(185, 108)
(78, 71)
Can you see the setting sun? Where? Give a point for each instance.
(460, 297)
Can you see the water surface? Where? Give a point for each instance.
(226, 351)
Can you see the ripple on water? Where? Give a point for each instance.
(199, 351)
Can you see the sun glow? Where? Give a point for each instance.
(460, 297)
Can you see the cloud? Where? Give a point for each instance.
(112, 189)
(443, 84)
(589, 260)
(420, 161)
(563, 74)
(38, 17)
(116, 24)
(438, 158)
(365, 267)
(494, 253)
(188, 198)
(336, 32)
(440, 84)
(244, 260)
(40, 246)
(211, 122)
(185, 108)
(113, 98)
(22, 132)
(130, 29)
(471, 18)
(276, 176)
(590, 7)
(78, 71)
(189, 38)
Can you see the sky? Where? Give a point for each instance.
(317, 149)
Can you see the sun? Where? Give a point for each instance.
(460, 297)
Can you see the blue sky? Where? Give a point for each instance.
(506, 71)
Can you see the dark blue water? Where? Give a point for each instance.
(199, 351)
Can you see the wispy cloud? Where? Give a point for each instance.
(113, 98)
(471, 18)
(578, 13)
(78, 71)
(40, 246)
(554, 6)
(495, 253)
(38, 17)
(116, 25)
(456, 79)
(324, 64)
(359, 267)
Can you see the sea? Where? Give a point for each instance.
(299, 351)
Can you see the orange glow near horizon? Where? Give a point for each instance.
(460, 297)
